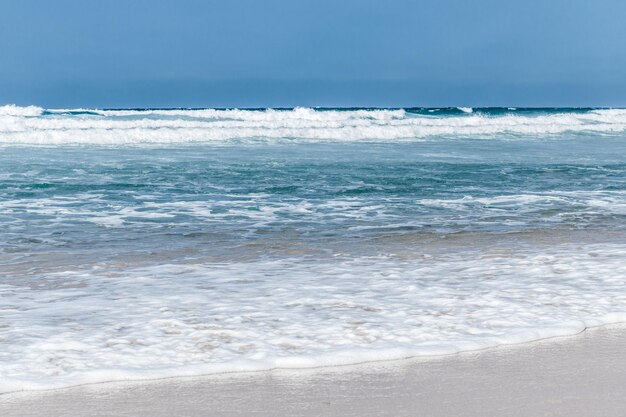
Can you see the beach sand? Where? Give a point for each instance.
(583, 375)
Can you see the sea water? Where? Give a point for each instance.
(148, 243)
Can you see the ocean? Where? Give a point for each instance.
(148, 243)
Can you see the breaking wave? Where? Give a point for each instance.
(34, 125)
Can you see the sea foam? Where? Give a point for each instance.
(187, 319)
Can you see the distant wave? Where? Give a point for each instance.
(34, 125)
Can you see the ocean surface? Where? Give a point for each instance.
(149, 243)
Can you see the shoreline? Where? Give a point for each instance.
(558, 376)
(335, 366)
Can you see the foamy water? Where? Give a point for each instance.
(234, 240)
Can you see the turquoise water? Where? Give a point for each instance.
(123, 200)
(143, 243)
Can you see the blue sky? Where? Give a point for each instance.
(139, 53)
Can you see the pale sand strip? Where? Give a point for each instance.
(584, 375)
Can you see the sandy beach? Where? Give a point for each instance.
(583, 375)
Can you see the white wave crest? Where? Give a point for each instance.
(13, 110)
(31, 125)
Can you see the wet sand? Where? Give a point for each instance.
(583, 375)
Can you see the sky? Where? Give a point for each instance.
(262, 53)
